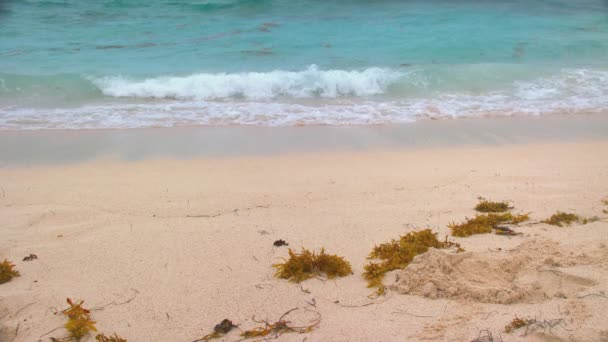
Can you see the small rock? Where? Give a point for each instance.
(224, 327)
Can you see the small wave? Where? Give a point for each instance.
(308, 83)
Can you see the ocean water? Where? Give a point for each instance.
(149, 63)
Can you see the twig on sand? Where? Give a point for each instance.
(356, 306)
(303, 290)
(48, 332)
(16, 332)
(233, 211)
(365, 304)
(485, 335)
(600, 294)
(204, 215)
(23, 308)
(18, 311)
(99, 308)
(544, 325)
(490, 314)
(401, 312)
(281, 326)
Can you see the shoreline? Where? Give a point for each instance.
(69, 146)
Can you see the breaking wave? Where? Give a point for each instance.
(311, 82)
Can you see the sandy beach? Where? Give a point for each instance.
(303, 171)
(163, 248)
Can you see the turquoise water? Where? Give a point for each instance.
(135, 63)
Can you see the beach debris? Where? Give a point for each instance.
(517, 323)
(309, 264)
(532, 324)
(79, 322)
(586, 220)
(485, 206)
(605, 202)
(112, 338)
(503, 230)
(397, 254)
(80, 325)
(282, 326)
(486, 335)
(485, 223)
(280, 242)
(129, 300)
(30, 257)
(7, 271)
(219, 330)
(561, 218)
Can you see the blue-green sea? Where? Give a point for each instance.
(148, 63)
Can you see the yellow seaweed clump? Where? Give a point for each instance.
(485, 206)
(397, 254)
(7, 271)
(485, 223)
(309, 264)
(560, 219)
(79, 322)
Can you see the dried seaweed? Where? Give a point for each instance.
(281, 326)
(307, 264)
(278, 328)
(485, 223)
(113, 338)
(397, 254)
(79, 322)
(532, 324)
(506, 231)
(560, 219)
(517, 323)
(492, 207)
(7, 271)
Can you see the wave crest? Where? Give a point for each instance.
(308, 83)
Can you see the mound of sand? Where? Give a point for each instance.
(532, 272)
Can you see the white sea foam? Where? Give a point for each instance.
(311, 82)
(568, 91)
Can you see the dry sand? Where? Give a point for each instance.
(165, 249)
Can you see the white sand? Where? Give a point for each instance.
(169, 248)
